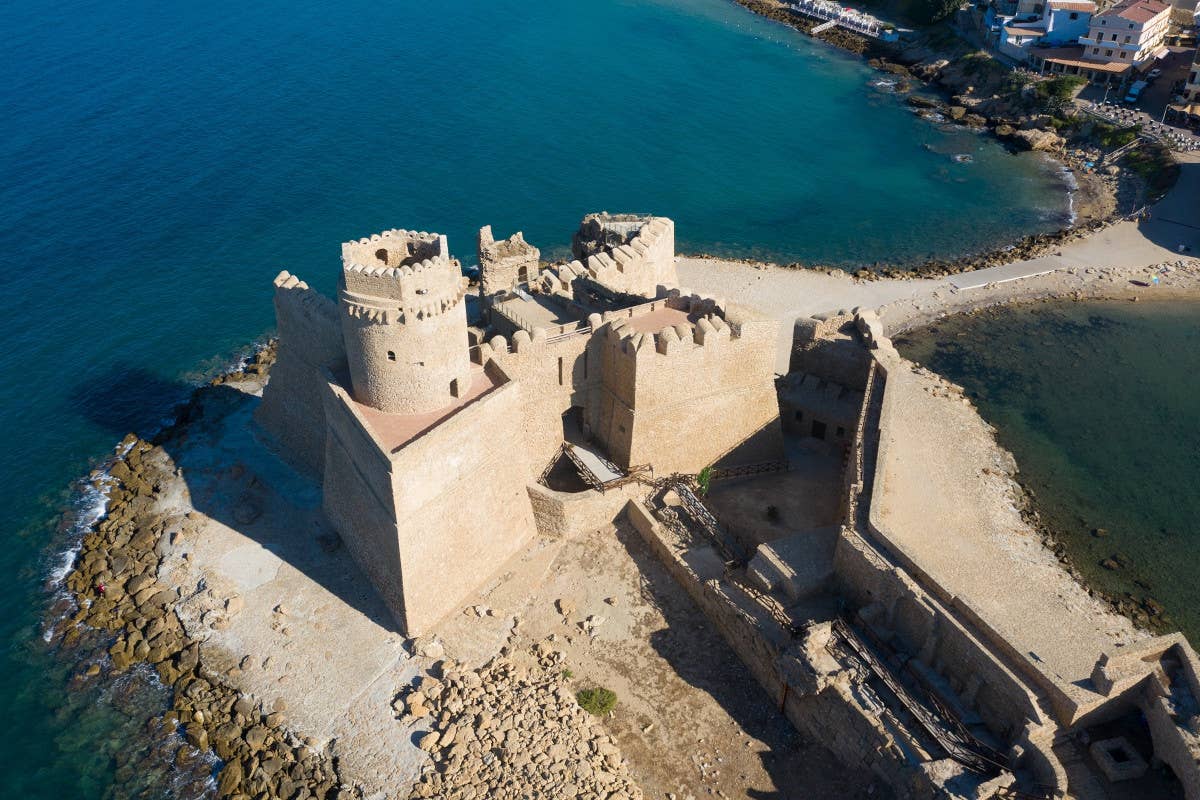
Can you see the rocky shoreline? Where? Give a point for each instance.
(116, 588)
(490, 731)
(966, 94)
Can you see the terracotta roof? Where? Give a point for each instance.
(1073, 57)
(1140, 11)
(1074, 5)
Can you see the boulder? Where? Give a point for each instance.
(1037, 140)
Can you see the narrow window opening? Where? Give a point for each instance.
(585, 360)
(381, 254)
(560, 370)
(391, 355)
(818, 429)
(841, 432)
(523, 275)
(799, 416)
(454, 388)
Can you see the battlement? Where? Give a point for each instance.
(673, 325)
(307, 320)
(625, 253)
(395, 248)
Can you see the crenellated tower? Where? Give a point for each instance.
(404, 321)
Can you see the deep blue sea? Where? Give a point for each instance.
(160, 162)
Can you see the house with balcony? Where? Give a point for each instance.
(1054, 23)
(1120, 42)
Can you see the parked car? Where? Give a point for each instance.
(1154, 73)
(1135, 91)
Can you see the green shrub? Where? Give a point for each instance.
(1113, 137)
(703, 480)
(598, 701)
(1056, 93)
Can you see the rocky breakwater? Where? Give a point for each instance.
(513, 729)
(116, 586)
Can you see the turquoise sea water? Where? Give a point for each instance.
(1099, 403)
(160, 162)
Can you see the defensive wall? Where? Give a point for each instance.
(433, 517)
(660, 389)
(310, 340)
(430, 447)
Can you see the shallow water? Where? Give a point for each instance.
(160, 162)
(1100, 404)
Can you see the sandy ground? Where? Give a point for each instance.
(944, 496)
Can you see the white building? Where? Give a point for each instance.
(1130, 32)
(1055, 23)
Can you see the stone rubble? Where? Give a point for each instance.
(513, 729)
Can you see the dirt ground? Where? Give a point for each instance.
(805, 497)
(690, 718)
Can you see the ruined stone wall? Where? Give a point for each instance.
(573, 513)
(405, 330)
(687, 397)
(627, 254)
(460, 493)
(830, 715)
(505, 263)
(292, 409)
(892, 601)
(826, 345)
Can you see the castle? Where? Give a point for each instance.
(430, 433)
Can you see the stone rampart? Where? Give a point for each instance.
(567, 514)
(292, 410)
(358, 499)
(431, 519)
(715, 375)
(627, 254)
(824, 709)
(556, 376)
(461, 500)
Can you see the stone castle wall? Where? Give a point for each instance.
(461, 505)
(433, 519)
(292, 409)
(626, 254)
(555, 376)
(358, 499)
(690, 395)
(504, 264)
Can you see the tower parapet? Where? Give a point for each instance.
(404, 322)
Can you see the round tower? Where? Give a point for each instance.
(404, 321)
